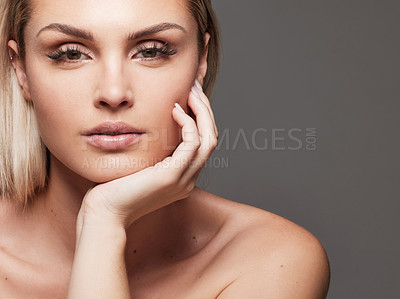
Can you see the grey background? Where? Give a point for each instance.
(333, 66)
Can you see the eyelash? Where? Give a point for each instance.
(165, 50)
(57, 54)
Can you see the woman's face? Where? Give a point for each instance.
(88, 64)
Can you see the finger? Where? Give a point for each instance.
(200, 89)
(203, 97)
(205, 126)
(205, 123)
(206, 101)
(193, 172)
(197, 93)
(187, 149)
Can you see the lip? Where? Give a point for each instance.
(110, 128)
(112, 135)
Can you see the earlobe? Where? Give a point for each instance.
(202, 71)
(19, 68)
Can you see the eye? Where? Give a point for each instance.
(155, 51)
(70, 54)
(149, 53)
(74, 55)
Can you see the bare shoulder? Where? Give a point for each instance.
(269, 256)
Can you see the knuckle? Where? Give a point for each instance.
(191, 186)
(188, 188)
(196, 143)
(213, 142)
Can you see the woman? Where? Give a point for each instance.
(105, 129)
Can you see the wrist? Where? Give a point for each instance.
(103, 222)
(108, 235)
(97, 213)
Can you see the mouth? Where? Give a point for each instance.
(112, 133)
(112, 129)
(112, 136)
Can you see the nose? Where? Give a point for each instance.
(113, 88)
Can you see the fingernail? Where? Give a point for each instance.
(195, 92)
(198, 85)
(179, 107)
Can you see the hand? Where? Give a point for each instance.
(126, 199)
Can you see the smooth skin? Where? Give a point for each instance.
(143, 231)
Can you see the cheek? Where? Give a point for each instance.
(167, 86)
(156, 96)
(53, 106)
(61, 113)
(155, 109)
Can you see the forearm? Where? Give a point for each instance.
(99, 269)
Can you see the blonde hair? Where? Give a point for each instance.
(23, 154)
(24, 157)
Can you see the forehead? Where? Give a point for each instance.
(115, 16)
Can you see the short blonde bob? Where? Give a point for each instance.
(24, 160)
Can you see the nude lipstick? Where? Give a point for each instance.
(112, 136)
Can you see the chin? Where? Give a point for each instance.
(106, 176)
(105, 170)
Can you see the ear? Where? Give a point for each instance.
(201, 73)
(19, 68)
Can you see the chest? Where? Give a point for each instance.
(22, 279)
(181, 280)
(192, 278)
(176, 288)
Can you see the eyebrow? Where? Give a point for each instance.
(84, 34)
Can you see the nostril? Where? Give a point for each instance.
(116, 104)
(125, 104)
(113, 95)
